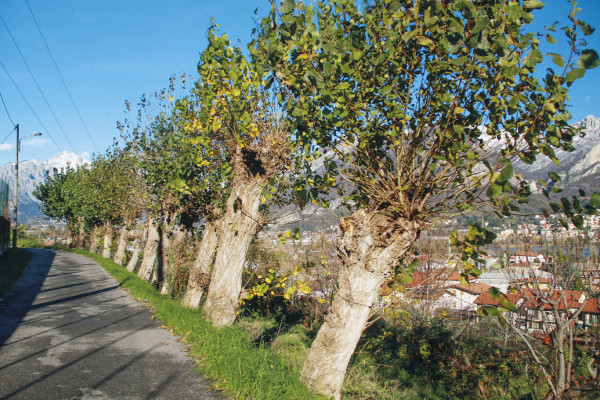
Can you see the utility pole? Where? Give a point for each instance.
(16, 194)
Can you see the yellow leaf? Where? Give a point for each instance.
(459, 110)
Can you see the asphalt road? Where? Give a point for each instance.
(67, 331)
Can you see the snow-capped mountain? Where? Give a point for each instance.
(579, 169)
(572, 164)
(31, 174)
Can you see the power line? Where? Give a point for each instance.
(31, 108)
(6, 109)
(36, 84)
(61, 76)
(11, 131)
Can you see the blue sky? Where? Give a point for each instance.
(109, 51)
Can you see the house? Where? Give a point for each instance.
(535, 312)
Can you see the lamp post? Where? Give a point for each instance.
(16, 192)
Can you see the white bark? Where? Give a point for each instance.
(94, 240)
(132, 264)
(167, 269)
(236, 229)
(81, 238)
(370, 246)
(122, 246)
(69, 237)
(150, 250)
(108, 237)
(200, 270)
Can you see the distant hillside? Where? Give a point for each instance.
(579, 168)
(31, 174)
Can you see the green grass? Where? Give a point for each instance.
(12, 264)
(227, 355)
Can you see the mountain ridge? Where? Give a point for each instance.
(31, 173)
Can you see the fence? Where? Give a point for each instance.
(4, 221)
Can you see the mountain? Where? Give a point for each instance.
(573, 165)
(31, 174)
(579, 168)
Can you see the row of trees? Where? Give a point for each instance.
(421, 107)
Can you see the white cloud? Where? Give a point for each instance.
(36, 142)
(587, 98)
(5, 146)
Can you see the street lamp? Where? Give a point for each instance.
(16, 193)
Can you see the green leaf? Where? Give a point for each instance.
(577, 220)
(555, 177)
(491, 311)
(507, 172)
(595, 200)
(533, 4)
(494, 190)
(288, 6)
(575, 74)
(557, 59)
(385, 91)
(495, 292)
(589, 59)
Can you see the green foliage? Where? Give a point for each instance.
(400, 92)
(418, 358)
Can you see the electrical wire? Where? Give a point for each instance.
(6, 109)
(61, 76)
(37, 84)
(9, 133)
(46, 131)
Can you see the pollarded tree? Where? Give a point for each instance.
(56, 202)
(177, 179)
(427, 103)
(237, 113)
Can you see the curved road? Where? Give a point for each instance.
(67, 331)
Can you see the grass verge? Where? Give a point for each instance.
(12, 264)
(226, 355)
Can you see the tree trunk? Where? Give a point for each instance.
(94, 240)
(200, 270)
(69, 237)
(370, 246)
(81, 237)
(236, 229)
(108, 237)
(132, 264)
(122, 246)
(150, 250)
(167, 245)
(140, 239)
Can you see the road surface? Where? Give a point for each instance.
(67, 331)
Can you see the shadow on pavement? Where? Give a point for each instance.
(20, 299)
